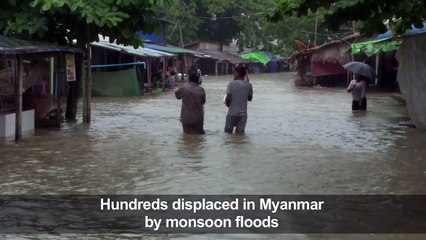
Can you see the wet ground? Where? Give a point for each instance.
(297, 141)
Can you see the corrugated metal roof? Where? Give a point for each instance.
(172, 49)
(224, 56)
(11, 46)
(144, 52)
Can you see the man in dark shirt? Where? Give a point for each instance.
(193, 99)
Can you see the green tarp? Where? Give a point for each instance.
(116, 84)
(376, 46)
(256, 56)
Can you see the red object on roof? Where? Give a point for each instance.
(302, 46)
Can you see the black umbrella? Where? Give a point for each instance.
(361, 69)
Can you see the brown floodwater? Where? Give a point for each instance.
(297, 141)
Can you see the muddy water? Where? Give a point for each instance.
(297, 141)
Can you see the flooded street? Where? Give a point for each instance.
(297, 141)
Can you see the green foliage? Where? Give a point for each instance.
(370, 13)
(241, 20)
(214, 20)
(62, 21)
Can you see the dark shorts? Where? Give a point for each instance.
(239, 122)
(193, 128)
(356, 105)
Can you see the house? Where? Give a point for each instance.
(218, 60)
(182, 61)
(185, 58)
(120, 70)
(28, 84)
(323, 64)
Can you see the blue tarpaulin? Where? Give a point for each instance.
(412, 31)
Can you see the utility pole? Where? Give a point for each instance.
(316, 29)
(182, 46)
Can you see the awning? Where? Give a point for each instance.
(11, 46)
(172, 49)
(375, 46)
(384, 42)
(143, 52)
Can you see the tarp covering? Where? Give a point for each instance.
(412, 77)
(274, 66)
(326, 69)
(375, 46)
(116, 84)
(413, 30)
(259, 56)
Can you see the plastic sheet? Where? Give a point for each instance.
(122, 83)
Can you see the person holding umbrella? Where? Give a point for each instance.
(358, 86)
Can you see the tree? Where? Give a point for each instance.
(203, 19)
(370, 13)
(78, 22)
(217, 20)
(185, 13)
(64, 21)
(243, 21)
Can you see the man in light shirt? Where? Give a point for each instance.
(238, 92)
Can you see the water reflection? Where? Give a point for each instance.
(191, 146)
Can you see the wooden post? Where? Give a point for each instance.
(164, 72)
(18, 92)
(59, 90)
(376, 79)
(83, 88)
(226, 68)
(88, 86)
(72, 97)
(215, 67)
(185, 66)
(148, 71)
(52, 74)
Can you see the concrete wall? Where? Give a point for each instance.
(7, 123)
(412, 77)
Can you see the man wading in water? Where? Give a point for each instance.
(193, 99)
(238, 93)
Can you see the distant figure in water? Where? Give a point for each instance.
(358, 87)
(193, 99)
(199, 73)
